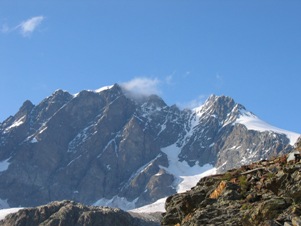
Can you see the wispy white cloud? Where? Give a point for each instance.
(142, 86)
(219, 81)
(194, 103)
(5, 28)
(145, 86)
(26, 28)
(187, 73)
(169, 79)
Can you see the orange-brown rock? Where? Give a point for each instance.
(216, 193)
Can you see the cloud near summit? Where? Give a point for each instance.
(142, 86)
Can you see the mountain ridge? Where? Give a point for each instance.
(108, 145)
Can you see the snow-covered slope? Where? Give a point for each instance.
(186, 184)
(252, 122)
(5, 212)
(4, 165)
(185, 176)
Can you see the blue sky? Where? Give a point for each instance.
(182, 50)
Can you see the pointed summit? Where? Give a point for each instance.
(26, 107)
(223, 108)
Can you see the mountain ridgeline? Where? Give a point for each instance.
(107, 146)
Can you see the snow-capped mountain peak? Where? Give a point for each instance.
(103, 88)
(109, 147)
(225, 108)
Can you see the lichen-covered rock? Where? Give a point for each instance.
(266, 193)
(266, 210)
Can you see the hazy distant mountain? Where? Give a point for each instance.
(109, 147)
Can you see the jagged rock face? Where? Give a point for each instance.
(68, 213)
(264, 193)
(103, 145)
(217, 139)
(251, 146)
(298, 144)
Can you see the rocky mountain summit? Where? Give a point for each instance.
(262, 193)
(108, 147)
(66, 213)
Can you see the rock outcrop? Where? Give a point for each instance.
(298, 144)
(263, 193)
(66, 213)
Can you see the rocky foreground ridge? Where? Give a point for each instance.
(66, 213)
(263, 193)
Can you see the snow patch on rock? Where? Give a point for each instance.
(5, 212)
(252, 122)
(4, 165)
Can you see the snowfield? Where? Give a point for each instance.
(116, 202)
(158, 206)
(186, 176)
(103, 88)
(4, 212)
(4, 165)
(187, 183)
(252, 122)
